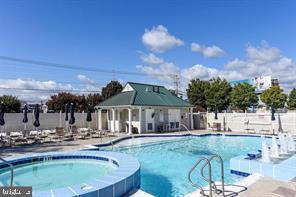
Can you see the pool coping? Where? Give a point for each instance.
(118, 182)
(117, 140)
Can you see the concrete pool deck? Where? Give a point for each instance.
(77, 144)
(268, 184)
(257, 186)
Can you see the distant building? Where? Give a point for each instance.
(260, 83)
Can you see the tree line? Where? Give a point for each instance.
(218, 93)
(205, 95)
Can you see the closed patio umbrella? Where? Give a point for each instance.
(2, 111)
(72, 110)
(88, 115)
(66, 112)
(72, 118)
(66, 115)
(216, 113)
(25, 118)
(36, 116)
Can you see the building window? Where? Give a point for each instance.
(172, 125)
(149, 126)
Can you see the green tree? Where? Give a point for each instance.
(93, 99)
(217, 94)
(243, 96)
(12, 103)
(196, 93)
(111, 89)
(274, 97)
(292, 100)
(57, 102)
(80, 103)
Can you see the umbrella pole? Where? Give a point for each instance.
(25, 128)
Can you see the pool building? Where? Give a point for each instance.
(144, 108)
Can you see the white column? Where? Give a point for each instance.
(113, 119)
(100, 119)
(140, 120)
(129, 121)
(118, 118)
(191, 118)
(108, 120)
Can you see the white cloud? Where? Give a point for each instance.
(198, 71)
(31, 90)
(158, 39)
(211, 51)
(89, 84)
(260, 60)
(235, 64)
(85, 79)
(151, 59)
(263, 54)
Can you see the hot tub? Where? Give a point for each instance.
(83, 173)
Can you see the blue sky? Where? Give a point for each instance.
(201, 39)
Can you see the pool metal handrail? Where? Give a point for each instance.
(184, 127)
(222, 173)
(208, 163)
(11, 169)
(111, 142)
(109, 137)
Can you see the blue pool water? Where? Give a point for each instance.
(165, 164)
(56, 173)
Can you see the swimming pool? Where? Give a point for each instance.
(165, 163)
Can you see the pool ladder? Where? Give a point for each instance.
(182, 125)
(212, 184)
(11, 170)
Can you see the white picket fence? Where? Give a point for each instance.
(258, 122)
(13, 121)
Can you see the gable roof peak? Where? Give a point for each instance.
(145, 84)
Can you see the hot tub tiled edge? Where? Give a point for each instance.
(116, 183)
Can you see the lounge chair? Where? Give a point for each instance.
(58, 135)
(3, 139)
(34, 136)
(17, 138)
(211, 127)
(83, 133)
(94, 133)
(70, 136)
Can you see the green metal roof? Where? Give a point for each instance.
(123, 98)
(143, 95)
